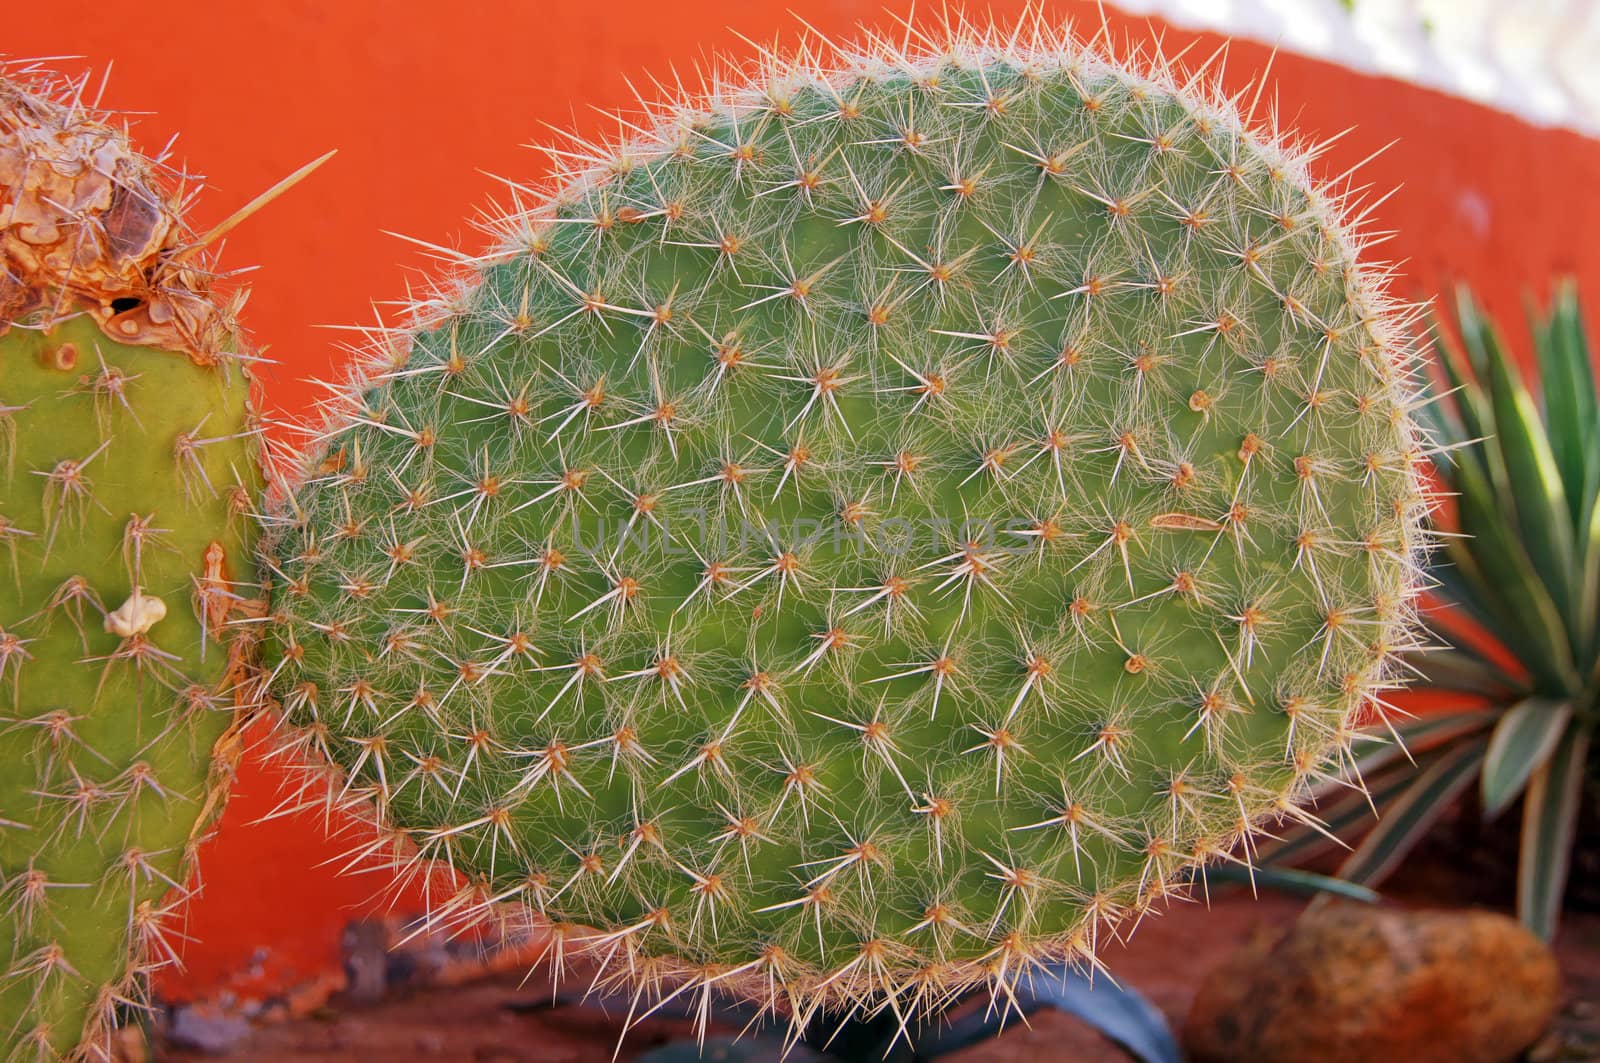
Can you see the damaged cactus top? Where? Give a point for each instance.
(127, 472)
(866, 533)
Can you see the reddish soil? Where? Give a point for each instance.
(501, 1019)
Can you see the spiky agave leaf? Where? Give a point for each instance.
(1525, 570)
(127, 470)
(869, 530)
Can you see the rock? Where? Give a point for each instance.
(1353, 983)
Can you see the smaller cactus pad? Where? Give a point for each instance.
(127, 475)
(866, 533)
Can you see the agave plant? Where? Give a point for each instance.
(1518, 578)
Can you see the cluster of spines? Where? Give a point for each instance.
(576, 385)
(128, 484)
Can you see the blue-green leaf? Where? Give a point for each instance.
(1422, 735)
(1342, 815)
(1409, 817)
(1549, 823)
(1529, 622)
(1522, 741)
(1467, 673)
(1589, 595)
(1291, 880)
(1465, 589)
(1118, 1012)
(1470, 404)
(1570, 406)
(1537, 491)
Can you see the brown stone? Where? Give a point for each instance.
(1353, 983)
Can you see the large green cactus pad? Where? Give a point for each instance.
(127, 472)
(867, 532)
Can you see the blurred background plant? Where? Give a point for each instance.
(1518, 599)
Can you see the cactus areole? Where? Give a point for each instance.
(127, 473)
(865, 534)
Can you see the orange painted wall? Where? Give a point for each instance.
(421, 97)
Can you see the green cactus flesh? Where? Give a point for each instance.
(125, 477)
(865, 534)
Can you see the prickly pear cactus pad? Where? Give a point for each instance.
(866, 533)
(127, 469)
